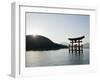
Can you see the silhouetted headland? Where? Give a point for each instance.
(40, 43)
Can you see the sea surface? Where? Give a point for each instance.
(55, 58)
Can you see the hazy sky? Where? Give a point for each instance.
(57, 27)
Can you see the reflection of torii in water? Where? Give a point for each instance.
(76, 44)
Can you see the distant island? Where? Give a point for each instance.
(86, 45)
(39, 43)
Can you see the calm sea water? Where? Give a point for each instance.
(55, 58)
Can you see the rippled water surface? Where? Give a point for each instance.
(56, 57)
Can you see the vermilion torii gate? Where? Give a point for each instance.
(76, 44)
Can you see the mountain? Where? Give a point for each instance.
(41, 43)
(86, 45)
(64, 43)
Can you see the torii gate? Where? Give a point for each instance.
(76, 44)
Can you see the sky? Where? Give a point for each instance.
(58, 27)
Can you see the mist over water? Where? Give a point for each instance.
(56, 58)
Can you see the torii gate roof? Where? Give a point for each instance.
(78, 38)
